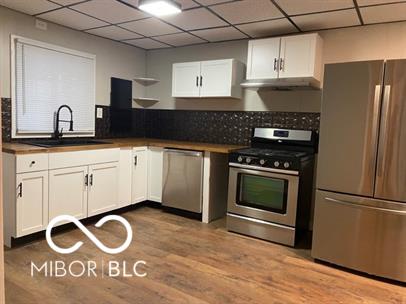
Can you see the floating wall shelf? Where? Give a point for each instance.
(145, 81)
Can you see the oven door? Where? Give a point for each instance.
(263, 195)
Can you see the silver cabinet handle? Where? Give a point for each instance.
(20, 192)
(91, 179)
(87, 180)
(281, 64)
(275, 64)
(355, 205)
(197, 81)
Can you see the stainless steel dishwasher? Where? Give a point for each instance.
(183, 180)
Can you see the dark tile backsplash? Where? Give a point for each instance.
(226, 127)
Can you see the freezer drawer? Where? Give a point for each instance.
(360, 233)
(183, 180)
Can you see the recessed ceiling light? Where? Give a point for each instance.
(160, 7)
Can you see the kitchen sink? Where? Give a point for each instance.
(64, 142)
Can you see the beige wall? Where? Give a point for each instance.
(341, 45)
(113, 59)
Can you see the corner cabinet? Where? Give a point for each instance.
(287, 58)
(206, 79)
(139, 175)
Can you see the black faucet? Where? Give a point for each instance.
(57, 134)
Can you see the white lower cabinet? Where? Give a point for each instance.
(139, 186)
(103, 188)
(68, 192)
(125, 177)
(155, 165)
(32, 202)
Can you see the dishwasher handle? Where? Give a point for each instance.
(185, 152)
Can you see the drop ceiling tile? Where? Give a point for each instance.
(384, 13)
(70, 18)
(114, 32)
(147, 43)
(150, 27)
(220, 34)
(297, 7)
(268, 28)
(327, 20)
(374, 2)
(29, 7)
(67, 2)
(194, 19)
(110, 10)
(180, 39)
(184, 3)
(245, 11)
(211, 2)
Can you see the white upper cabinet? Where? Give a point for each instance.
(300, 56)
(296, 57)
(186, 79)
(263, 58)
(214, 78)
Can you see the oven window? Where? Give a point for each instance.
(264, 193)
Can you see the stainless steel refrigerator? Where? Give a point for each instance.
(360, 209)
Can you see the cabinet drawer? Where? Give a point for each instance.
(31, 162)
(83, 158)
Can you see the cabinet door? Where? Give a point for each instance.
(103, 188)
(186, 79)
(216, 78)
(125, 177)
(263, 58)
(298, 56)
(155, 163)
(68, 192)
(32, 202)
(139, 175)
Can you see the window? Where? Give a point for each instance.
(45, 77)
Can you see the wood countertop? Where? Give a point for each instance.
(20, 148)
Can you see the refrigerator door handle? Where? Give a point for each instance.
(354, 205)
(384, 128)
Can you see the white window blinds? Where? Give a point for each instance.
(47, 77)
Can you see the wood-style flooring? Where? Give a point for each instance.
(188, 262)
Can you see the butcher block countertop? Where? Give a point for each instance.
(20, 148)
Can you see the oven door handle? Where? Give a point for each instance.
(270, 170)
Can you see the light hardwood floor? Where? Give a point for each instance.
(189, 262)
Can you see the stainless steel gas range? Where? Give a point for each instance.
(270, 185)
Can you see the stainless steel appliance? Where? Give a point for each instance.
(360, 213)
(270, 185)
(183, 180)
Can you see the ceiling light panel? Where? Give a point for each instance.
(159, 7)
(70, 18)
(193, 19)
(298, 7)
(246, 11)
(31, 7)
(185, 4)
(109, 10)
(150, 27)
(268, 28)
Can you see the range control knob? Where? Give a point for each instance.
(248, 160)
(286, 165)
(276, 164)
(262, 162)
(239, 159)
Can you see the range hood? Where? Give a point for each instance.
(282, 84)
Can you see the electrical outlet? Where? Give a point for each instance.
(99, 113)
(41, 25)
